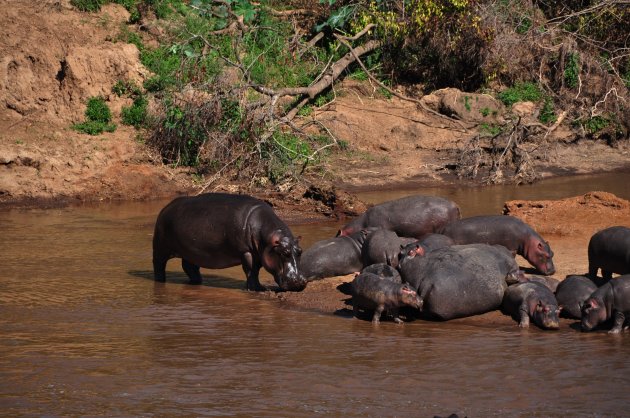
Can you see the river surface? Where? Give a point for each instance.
(84, 331)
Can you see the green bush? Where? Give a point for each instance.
(136, 114)
(572, 70)
(92, 127)
(547, 113)
(521, 92)
(595, 124)
(126, 88)
(97, 110)
(88, 5)
(98, 118)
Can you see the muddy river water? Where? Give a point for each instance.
(84, 331)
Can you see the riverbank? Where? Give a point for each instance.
(567, 224)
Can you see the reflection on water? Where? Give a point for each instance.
(86, 331)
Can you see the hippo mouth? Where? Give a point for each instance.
(551, 325)
(292, 285)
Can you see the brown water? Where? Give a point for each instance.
(85, 331)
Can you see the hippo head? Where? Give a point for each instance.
(351, 227)
(546, 316)
(593, 313)
(540, 256)
(281, 258)
(410, 297)
(410, 251)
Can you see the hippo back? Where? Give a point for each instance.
(412, 216)
(460, 280)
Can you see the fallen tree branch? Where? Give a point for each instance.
(326, 81)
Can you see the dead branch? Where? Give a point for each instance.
(592, 9)
(326, 81)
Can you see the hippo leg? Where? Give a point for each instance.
(355, 309)
(394, 313)
(251, 269)
(192, 271)
(524, 317)
(620, 318)
(159, 268)
(377, 314)
(592, 271)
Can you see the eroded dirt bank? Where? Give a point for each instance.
(54, 58)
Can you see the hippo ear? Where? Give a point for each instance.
(407, 289)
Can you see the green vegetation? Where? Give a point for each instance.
(489, 130)
(88, 5)
(98, 118)
(572, 70)
(595, 124)
(161, 8)
(136, 114)
(547, 112)
(219, 65)
(521, 92)
(467, 103)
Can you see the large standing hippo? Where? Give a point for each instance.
(571, 294)
(383, 246)
(612, 300)
(609, 249)
(334, 256)
(508, 231)
(461, 280)
(372, 292)
(219, 230)
(532, 300)
(412, 216)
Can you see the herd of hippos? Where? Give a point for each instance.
(412, 252)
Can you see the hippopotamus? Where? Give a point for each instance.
(334, 256)
(571, 294)
(549, 282)
(612, 300)
(384, 271)
(220, 230)
(460, 280)
(412, 216)
(609, 249)
(424, 245)
(383, 246)
(508, 231)
(370, 291)
(532, 300)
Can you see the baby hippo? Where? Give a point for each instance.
(532, 300)
(370, 291)
(571, 294)
(612, 300)
(425, 245)
(383, 271)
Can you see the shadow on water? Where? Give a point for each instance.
(181, 278)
